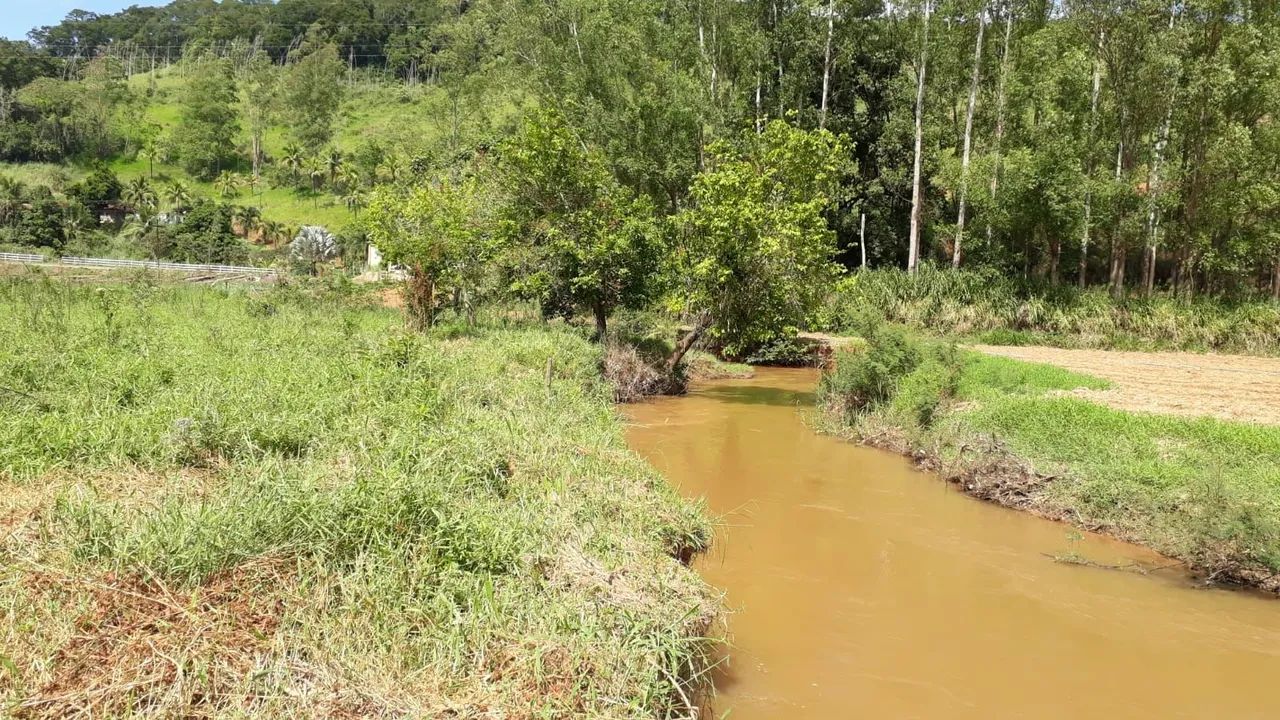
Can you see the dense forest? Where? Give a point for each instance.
(1126, 143)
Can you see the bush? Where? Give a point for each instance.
(633, 379)
(862, 379)
(785, 352)
(921, 394)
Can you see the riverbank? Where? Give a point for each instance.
(279, 504)
(1202, 490)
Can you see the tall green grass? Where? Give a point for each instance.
(459, 531)
(992, 308)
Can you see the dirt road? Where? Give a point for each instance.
(1232, 387)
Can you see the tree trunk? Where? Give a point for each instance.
(1116, 279)
(687, 342)
(913, 247)
(862, 238)
(1082, 280)
(1117, 266)
(1055, 258)
(1153, 182)
(999, 139)
(421, 299)
(602, 321)
(1275, 279)
(968, 137)
(826, 63)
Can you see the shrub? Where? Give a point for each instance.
(921, 394)
(863, 379)
(633, 379)
(785, 352)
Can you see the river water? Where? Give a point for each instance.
(859, 587)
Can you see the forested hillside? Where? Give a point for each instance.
(1129, 143)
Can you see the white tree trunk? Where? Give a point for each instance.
(826, 63)
(1088, 167)
(1153, 181)
(913, 247)
(968, 137)
(862, 239)
(999, 139)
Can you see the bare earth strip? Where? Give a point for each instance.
(1231, 387)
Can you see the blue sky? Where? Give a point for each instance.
(19, 16)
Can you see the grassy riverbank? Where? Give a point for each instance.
(1202, 490)
(280, 504)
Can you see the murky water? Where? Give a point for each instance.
(861, 588)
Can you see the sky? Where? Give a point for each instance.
(17, 17)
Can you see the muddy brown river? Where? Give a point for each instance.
(859, 587)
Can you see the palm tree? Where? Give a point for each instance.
(72, 228)
(294, 160)
(248, 217)
(272, 231)
(140, 196)
(349, 176)
(333, 160)
(316, 170)
(11, 197)
(227, 184)
(354, 200)
(392, 165)
(178, 195)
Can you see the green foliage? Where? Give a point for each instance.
(205, 134)
(754, 252)
(580, 239)
(864, 378)
(785, 352)
(452, 504)
(205, 236)
(311, 92)
(924, 392)
(100, 189)
(997, 310)
(440, 232)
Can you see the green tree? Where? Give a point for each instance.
(755, 254)
(311, 93)
(140, 196)
(584, 240)
(178, 195)
(209, 121)
(438, 232)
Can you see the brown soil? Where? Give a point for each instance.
(1230, 387)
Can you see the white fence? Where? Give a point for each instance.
(21, 258)
(156, 265)
(146, 264)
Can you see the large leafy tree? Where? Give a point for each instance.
(437, 231)
(311, 93)
(205, 135)
(583, 240)
(755, 252)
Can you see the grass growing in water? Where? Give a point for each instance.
(350, 519)
(1203, 490)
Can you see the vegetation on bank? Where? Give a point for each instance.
(988, 308)
(1202, 490)
(281, 504)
